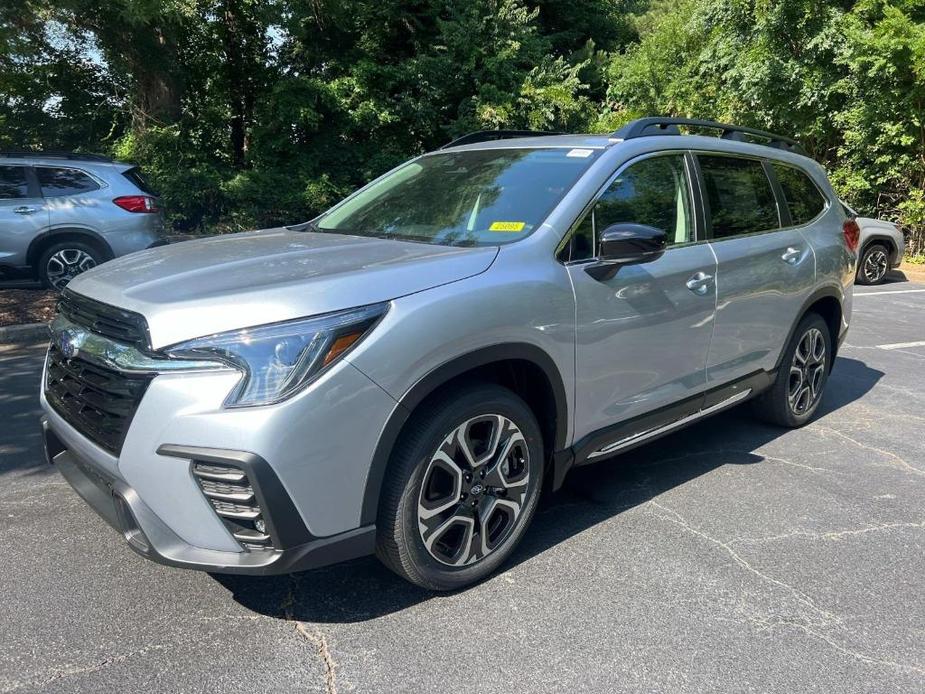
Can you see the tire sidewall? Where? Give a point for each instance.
(810, 321)
(483, 400)
(859, 275)
(42, 270)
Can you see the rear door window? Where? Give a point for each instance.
(13, 182)
(804, 200)
(139, 180)
(57, 182)
(739, 195)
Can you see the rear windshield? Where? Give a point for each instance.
(136, 177)
(471, 198)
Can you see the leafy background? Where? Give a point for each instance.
(248, 113)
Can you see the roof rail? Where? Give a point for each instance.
(643, 127)
(488, 135)
(26, 154)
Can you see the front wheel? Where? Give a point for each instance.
(461, 488)
(796, 393)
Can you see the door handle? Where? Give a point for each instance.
(700, 283)
(25, 209)
(791, 255)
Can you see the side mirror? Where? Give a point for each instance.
(626, 244)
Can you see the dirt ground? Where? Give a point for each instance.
(26, 306)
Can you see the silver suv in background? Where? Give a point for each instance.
(405, 373)
(881, 247)
(62, 214)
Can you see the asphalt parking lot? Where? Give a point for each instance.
(731, 556)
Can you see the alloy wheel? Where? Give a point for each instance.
(65, 265)
(807, 372)
(875, 265)
(473, 490)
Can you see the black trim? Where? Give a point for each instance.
(701, 204)
(70, 156)
(284, 522)
(119, 324)
(520, 351)
(120, 506)
(783, 209)
(33, 253)
(646, 127)
(582, 449)
(883, 240)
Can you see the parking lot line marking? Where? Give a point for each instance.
(903, 345)
(895, 291)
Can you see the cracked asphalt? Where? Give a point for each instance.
(731, 556)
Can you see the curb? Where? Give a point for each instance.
(27, 332)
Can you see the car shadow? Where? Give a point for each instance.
(20, 414)
(364, 589)
(894, 277)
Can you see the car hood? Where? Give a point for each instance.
(211, 285)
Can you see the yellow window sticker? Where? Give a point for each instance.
(507, 226)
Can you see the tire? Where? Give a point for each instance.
(61, 262)
(779, 404)
(477, 529)
(873, 264)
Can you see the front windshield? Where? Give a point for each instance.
(470, 198)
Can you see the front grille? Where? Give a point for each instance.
(232, 496)
(114, 323)
(97, 401)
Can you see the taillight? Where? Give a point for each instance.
(852, 233)
(137, 203)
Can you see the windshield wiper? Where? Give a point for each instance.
(310, 225)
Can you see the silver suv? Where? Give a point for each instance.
(405, 373)
(61, 214)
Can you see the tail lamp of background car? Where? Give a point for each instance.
(852, 234)
(279, 359)
(137, 203)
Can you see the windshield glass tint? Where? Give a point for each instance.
(481, 197)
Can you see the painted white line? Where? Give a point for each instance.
(903, 345)
(896, 291)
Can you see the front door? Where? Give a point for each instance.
(765, 273)
(644, 333)
(23, 214)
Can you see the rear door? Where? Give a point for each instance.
(71, 198)
(23, 213)
(765, 266)
(642, 334)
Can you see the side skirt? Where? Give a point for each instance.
(624, 436)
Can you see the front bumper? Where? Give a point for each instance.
(120, 506)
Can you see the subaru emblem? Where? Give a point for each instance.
(67, 344)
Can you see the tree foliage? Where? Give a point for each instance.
(251, 113)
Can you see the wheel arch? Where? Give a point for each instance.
(827, 302)
(882, 239)
(43, 241)
(524, 368)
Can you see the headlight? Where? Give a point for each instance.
(279, 359)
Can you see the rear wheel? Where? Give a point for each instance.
(62, 262)
(461, 488)
(795, 396)
(873, 265)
